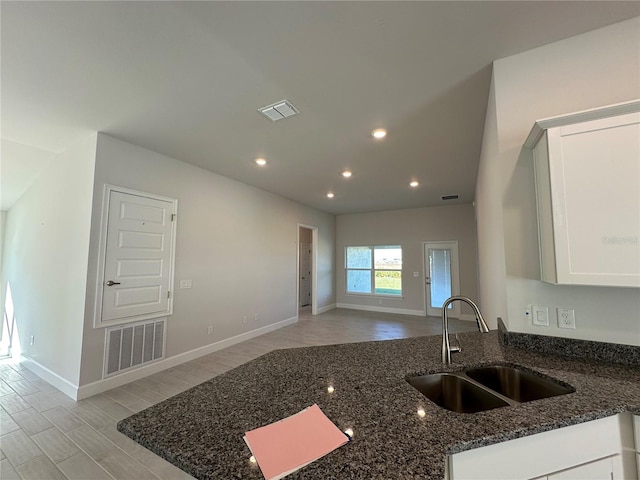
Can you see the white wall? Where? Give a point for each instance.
(237, 243)
(46, 248)
(409, 228)
(594, 69)
(492, 281)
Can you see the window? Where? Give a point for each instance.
(374, 270)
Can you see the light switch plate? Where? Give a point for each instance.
(185, 283)
(540, 316)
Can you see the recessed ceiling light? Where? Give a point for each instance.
(414, 184)
(379, 133)
(330, 195)
(261, 161)
(346, 173)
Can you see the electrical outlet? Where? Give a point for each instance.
(210, 330)
(32, 340)
(540, 316)
(244, 319)
(566, 318)
(256, 317)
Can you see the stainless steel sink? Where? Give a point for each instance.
(455, 393)
(484, 388)
(518, 385)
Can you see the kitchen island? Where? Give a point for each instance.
(201, 429)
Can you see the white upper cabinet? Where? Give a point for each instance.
(587, 172)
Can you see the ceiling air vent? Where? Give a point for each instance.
(449, 197)
(279, 110)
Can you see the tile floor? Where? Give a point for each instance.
(46, 435)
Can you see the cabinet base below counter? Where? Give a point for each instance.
(603, 445)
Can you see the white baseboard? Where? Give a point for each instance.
(62, 384)
(118, 380)
(402, 311)
(326, 308)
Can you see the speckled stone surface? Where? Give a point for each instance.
(201, 430)
(573, 348)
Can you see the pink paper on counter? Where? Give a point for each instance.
(289, 444)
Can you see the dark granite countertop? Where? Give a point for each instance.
(201, 430)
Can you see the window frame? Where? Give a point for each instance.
(372, 271)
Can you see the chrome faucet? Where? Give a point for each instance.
(447, 349)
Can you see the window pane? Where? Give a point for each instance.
(358, 257)
(359, 281)
(388, 257)
(440, 260)
(389, 283)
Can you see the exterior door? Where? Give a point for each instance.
(442, 276)
(138, 258)
(305, 274)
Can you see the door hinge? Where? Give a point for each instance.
(168, 294)
(173, 217)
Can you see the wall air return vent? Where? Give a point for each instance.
(279, 110)
(133, 345)
(449, 197)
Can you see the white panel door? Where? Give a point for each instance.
(138, 257)
(305, 274)
(442, 276)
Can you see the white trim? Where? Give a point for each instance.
(326, 308)
(401, 311)
(62, 384)
(112, 382)
(102, 252)
(579, 117)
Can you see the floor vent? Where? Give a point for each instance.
(133, 345)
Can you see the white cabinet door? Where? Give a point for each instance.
(588, 195)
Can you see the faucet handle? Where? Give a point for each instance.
(456, 348)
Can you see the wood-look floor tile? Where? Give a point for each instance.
(7, 424)
(19, 448)
(7, 472)
(13, 403)
(109, 406)
(122, 441)
(82, 467)
(40, 468)
(55, 444)
(92, 442)
(5, 389)
(159, 466)
(24, 387)
(42, 400)
(63, 419)
(122, 466)
(32, 422)
(93, 416)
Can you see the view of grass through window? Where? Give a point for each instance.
(374, 270)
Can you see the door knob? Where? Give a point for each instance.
(111, 283)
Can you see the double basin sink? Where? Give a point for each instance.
(484, 388)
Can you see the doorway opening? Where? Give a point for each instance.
(442, 277)
(306, 296)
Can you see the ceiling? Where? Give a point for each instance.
(186, 79)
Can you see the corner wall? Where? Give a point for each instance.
(238, 245)
(408, 228)
(591, 70)
(46, 248)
